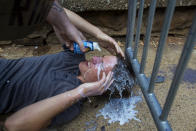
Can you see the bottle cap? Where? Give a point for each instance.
(96, 46)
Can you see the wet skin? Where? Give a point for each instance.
(89, 69)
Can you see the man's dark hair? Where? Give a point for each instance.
(123, 78)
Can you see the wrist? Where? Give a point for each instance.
(81, 92)
(74, 96)
(98, 33)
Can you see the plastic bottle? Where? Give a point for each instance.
(89, 45)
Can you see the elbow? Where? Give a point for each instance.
(20, 125)
(11, 125)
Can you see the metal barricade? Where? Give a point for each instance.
(159, 115)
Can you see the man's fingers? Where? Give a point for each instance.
(116, 47)
(107, 86)
(80, 43)
(68, 44)
(108, 79)
(71, 48)
(103, 79)
(119, 50)
(122, 53)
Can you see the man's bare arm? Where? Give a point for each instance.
(39, 115)
(57, 17)
(83, 25)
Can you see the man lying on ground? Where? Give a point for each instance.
(47, 90)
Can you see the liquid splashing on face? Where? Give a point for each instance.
(86, 74)
(121, 109)
(99, 68)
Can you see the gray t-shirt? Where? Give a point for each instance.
(28, 80)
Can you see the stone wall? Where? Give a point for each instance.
(111, 17)
(115, 22)
(105, 5)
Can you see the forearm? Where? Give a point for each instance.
(61, 17)
(38, 115)
(82, 24)
(57, 16)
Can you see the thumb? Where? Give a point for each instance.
(80, 43)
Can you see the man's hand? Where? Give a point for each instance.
(57, 17)
(109, 43)
(68, 38)
(96, 88)
(105, 41)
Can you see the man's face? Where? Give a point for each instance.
(92, 70)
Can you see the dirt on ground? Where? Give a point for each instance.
(182, 115)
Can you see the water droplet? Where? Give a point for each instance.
(8, 81)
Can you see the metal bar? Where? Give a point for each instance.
(163, 37)
(131, 22)
(185, 56)
(139, 22)
(150, 98)
(148, 34)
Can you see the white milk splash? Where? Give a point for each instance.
(99, 68)
(120, 110)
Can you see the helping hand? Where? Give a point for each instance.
(70, 35)
(65, 30)
(96, 88)
(109, 43)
